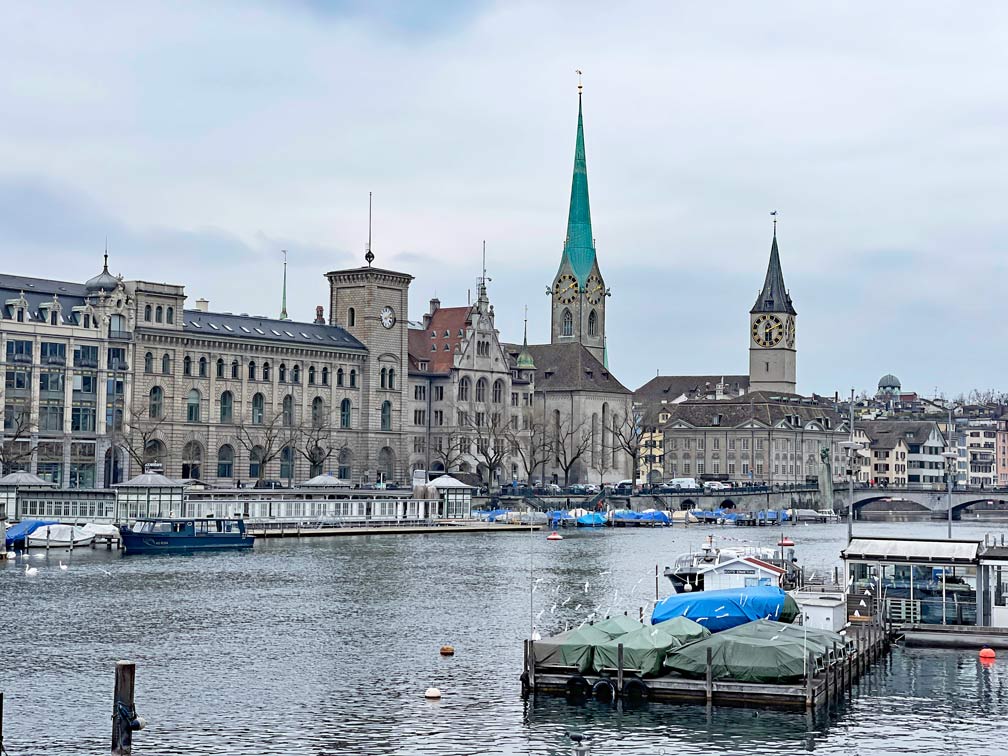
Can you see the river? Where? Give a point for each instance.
(325, 646)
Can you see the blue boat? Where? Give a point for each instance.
(157, 535)
(591, 520)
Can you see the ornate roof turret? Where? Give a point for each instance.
(579, 246)
(774, 297)
(103, 281)
(525, 361)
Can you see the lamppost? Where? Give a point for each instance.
(950, 460)
(852, 451)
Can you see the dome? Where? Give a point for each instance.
(889, 382)
(103, 281)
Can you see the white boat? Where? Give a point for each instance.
(60, 536)
(100, 530)
(687, 572)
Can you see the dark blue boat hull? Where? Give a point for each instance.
(147, 543)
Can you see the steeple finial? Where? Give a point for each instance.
(283, 306)
(105, 270)
(525, 361)
(580, 88)
(369, 255)
(773, 214)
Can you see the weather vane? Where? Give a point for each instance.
(369, 255)
(578, 72)
(773, 214)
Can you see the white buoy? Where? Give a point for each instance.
(432, 694)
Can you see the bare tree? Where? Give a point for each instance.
(490, 432)
(449, 448)
(628, 433)
(143, 428)
(16, 447)
(271, 437)
(315, 444)
(571, 439)
(532, 442)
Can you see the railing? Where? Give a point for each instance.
(120, 335)
(85, 362)
(55, 359)
(21, 358)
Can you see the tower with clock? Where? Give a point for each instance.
(578, 295)
(772, 332)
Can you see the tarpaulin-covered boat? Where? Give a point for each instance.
(725, 609)
(645, 647)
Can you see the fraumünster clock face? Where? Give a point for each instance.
(566, 289)
(387, 317)
(767, 330)
(595, 290)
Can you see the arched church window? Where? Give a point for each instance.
(567, 324)
(593, 323)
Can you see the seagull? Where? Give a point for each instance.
(536, 636)
(30, 571)
(105, 571)
(553, 608)
(541, 613)
(586, 586)
(62, 566)
(577, 607)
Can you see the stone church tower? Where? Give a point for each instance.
(579, 292)
(772, 332)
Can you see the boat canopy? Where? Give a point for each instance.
(574, 648)
(761, 651)
(25, 528)
(725, 609)
(644, 650)
(591, 520)
(618, 625)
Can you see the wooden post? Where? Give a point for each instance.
(828, 673)
(531, 667)
(809, 675)
(122, 735)
(656, 582)
(619, 669)
(1, 723)
(710, 676)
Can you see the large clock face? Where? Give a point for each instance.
(566, 289)
(387, 317)
(595, 290)
(767, 330)
(789, 332)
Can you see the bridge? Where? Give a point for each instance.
(744, 499)
(918, 499)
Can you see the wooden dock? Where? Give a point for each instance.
(871, 642)
(316, 529)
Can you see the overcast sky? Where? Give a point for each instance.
(202, 138)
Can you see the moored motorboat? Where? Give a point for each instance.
(167, 535)
(58, 536)
(756, 563)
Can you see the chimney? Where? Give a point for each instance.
(203, 305)
(435, 304)
(319, 317)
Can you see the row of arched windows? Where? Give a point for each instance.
(156, 409)
(159, 314)
(255, 371)
(481, 390)
(192, 460)
(388, 378)
(567, 323)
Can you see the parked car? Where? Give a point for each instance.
(268, 484)
(716, 485)
(553, 488)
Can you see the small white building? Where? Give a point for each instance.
(826, 611)
(454, 497)
(740, 572)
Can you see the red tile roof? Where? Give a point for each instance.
(429, 343)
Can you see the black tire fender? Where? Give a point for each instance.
(604, 691)
(635, 689)
(578, 687)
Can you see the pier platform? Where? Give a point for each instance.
(319, 529)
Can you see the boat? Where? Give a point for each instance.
(59, 536)
(591, 520)
(687, 572)
(785, 541)
(722, 610)
(167, 535)
(554, 536)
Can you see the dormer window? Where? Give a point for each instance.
(433, 334)
(423, 365)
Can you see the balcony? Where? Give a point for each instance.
(54, 359)
(120, 335)
(24, 359)
(86, 362)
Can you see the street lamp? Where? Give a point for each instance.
(950, 458)
(852, 449)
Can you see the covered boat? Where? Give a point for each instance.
(21, 530)
(645, 647)
(59, 536)
(761, 651)
(591, 520)
(574, 648)
(618, 625)
(725, 609)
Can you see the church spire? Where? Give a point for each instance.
(283, 305)
(774, 296)
(525, 361)
(579, 246)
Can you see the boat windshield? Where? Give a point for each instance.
(146, 526)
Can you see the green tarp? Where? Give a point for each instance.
(685, 630)
(761, 651)
(621, 623)
(573, 648)
(644, 650)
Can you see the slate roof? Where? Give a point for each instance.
(438, 342)
(884, 434)
(774, 296)
(39, 290)
(671, 387)
(567, 367)
(228, 325)
(764, 407)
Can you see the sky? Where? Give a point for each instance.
(203, 138)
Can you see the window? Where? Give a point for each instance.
(311, 375)
(498, 392)
(351, 318)
(439, 393)
(282, 373)
(344, 420)
(187, 365)
(419, 393)
(296, 374)
(227, 408)
(353, 379)
(193, 406)
(514, 398)
(148, 363)
(384, 377)
(287, 416)
(325, 376)
(391, 378)
(386, 415)
(318, 412)
(252, 371)
(255, 461)
(220, 368)
(192, 460)
(170, 315)
(202, 367)
(158, 314)
(567, 324)
(156, 405)
(166, 364)
(266, 371)
(287, 463)
(463, 390)
(225, 462)
(593, 323)
(438, 417)
(481, 390)
(235, 369)
(147, 313)
(258, 409)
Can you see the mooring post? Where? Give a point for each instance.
(124, 717)
(828, 673)
(710, 676)
(656, 582)
(1, 723)
(531, 665)
(619, 669)
(809, 675)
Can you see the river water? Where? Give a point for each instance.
(325, 646)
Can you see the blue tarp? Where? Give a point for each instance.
(558, 516)
(25, 528)
(625, 515)
(772, 515)
(659, 517)
(721, 610)
(593, 520)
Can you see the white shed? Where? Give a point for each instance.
(827, 611)
(741, 572)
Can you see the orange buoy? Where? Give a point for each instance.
(785, 542)
(447, 650)
(554, 536)
(987, 653)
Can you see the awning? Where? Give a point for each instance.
(910, 551)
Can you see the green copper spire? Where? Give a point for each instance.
(283, 306)
(579, 247)
(525, 361)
